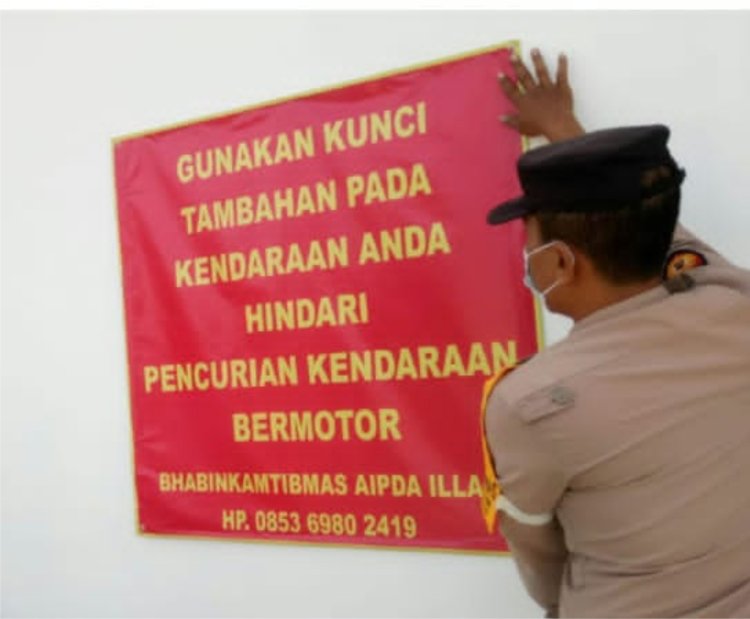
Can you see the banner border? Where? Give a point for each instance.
(513, 44)
(325, 544)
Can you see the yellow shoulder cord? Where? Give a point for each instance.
(491, 487)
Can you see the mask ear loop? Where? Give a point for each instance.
(528, 281)
(572, 256)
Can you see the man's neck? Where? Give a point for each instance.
(604, 295)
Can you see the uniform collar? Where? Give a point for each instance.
(657, 293)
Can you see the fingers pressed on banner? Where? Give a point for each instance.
(542, 75)
(509, 87)
(524, 77)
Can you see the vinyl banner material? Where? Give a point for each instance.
(313, 301)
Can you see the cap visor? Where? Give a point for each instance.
(507, 211)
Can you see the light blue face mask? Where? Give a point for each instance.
(528, 280)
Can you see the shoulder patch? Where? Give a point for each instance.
(681, 261)
(545, 403)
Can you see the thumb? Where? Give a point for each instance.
(510, 120)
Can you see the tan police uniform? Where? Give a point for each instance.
(623, 452)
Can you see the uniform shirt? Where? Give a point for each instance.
(623, 454)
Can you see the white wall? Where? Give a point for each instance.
(72, 81)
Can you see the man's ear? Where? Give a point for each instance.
(567, 259)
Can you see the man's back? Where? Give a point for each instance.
(645, 408)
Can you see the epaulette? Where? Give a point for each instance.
(680, 261)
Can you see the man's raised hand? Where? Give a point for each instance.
(544, 107)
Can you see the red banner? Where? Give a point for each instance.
(313, 300)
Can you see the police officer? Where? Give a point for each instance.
(623, 451)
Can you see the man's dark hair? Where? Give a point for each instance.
(627, 245)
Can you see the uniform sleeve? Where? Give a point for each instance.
(531, 483)
(717, 269)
